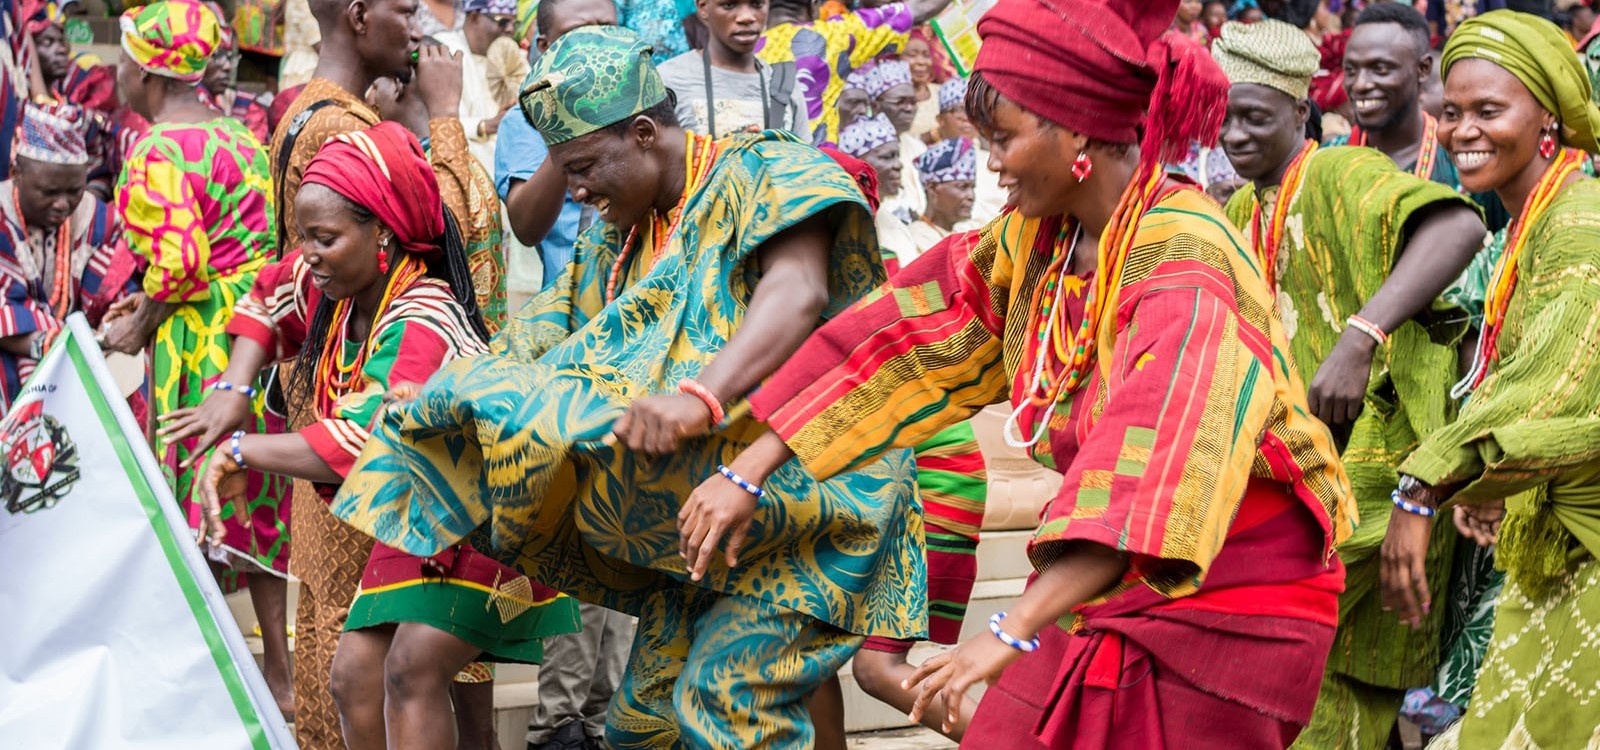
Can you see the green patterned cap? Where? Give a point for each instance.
(1269, 53)
(591, 77)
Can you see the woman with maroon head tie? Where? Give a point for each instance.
(1186, 588)
(377, 295)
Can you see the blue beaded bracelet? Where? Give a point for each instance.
(233, 447)
(1410, 507)
(1026, 647)
(244, 390)
(743, 484)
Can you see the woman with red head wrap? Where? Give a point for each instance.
(929, 68)
(1186, 586)
(378, 296)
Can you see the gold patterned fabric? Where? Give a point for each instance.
(329, 557)
(695, 656)
(510, 444)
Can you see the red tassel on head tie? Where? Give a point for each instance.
(1187, 105)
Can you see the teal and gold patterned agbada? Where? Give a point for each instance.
(508, 447)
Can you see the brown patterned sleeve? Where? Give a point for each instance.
(452, 163)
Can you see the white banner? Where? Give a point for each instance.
(112, 632)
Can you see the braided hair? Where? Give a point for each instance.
(452, 268)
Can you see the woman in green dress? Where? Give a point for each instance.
(1526, 448)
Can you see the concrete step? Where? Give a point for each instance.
(1003, 555)
(917, 738)
(516, 692)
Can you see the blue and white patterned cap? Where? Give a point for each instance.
(953, 95)
(52, 135)
(490, 7)
(886, 75)
(949, 160)
(866, 134)
(859, 78)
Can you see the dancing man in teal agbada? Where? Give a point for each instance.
(571, 447)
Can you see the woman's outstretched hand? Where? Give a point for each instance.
(947, 676)
(222, 481)
(219, 415)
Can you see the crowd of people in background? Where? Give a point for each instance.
(466, 303)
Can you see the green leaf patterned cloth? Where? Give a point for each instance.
(590, 78)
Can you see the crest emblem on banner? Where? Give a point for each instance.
(41, 461)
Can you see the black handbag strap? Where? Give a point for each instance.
(282, 175)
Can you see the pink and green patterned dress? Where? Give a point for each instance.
(195, 204)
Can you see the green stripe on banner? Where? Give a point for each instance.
(169, 546)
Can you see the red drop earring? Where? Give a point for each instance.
(383, 257)
(1082, 167)
(1547, 145)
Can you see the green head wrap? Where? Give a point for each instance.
(1539, 55)
(591, 77)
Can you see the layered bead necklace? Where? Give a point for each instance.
(1266, 233)
(1061, 357)
(1427, 153)
(699, 154)
(1504, 281)
(61, 283)
(344, 372)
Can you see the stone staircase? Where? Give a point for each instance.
(1002, 570)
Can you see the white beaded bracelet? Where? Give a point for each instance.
(1368, 327)
(1026, 647)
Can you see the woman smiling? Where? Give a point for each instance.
(379, 294)
(1117, 312)
(928, 70)
(1517, 119)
